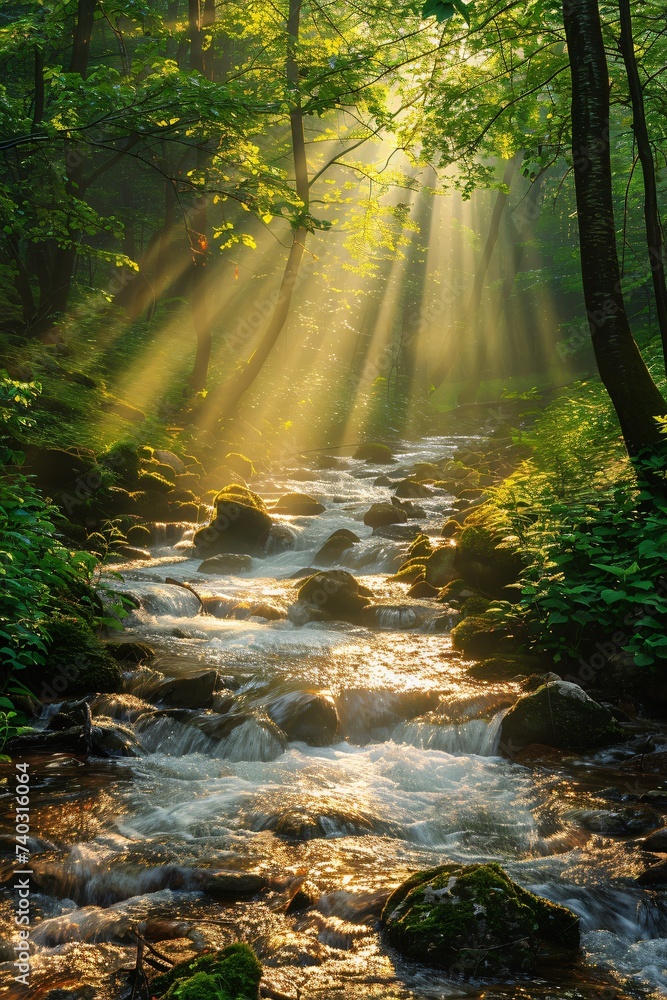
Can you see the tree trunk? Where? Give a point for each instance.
(635, 396)
(83, 31)
(223, 401)
(654, 235)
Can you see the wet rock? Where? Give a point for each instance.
(74, 741)
(324, 820)
(657, 842)
(411, 571)
(226, 564)
(231, 885)
(655, 797)
(383, 481)
(422, 589)
(421, 546)
(439, 566)
(195, 690)
(450, 528)
(375, 454)
(58, 471)
(411, 490)
(78, 662)
(397, 532)
(114, 739)
(559, 714)
(629, 821)
(485, 563)
(500, 668)
(412, 510)
(298, 505)
(240, 464)
(334, 593)
(379, 515)
(271, 612)
(202, 978)
(423, 471)
(335, 546)
(654, 875)
(130, 651)
(305, 895)
(331, 462)
(241, 524)
(171, 459)
(480, 636)
(301, 475)
(647, 763)
(307, 716)
(474, 920)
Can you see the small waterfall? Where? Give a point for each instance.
(476, 736)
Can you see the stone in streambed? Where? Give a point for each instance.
(306, 716)
(241, 524)
(231, 885)
(298, 505)
(629, 821)
(375, 454)
(194, 690)
(439, 566)
(335, 594)
(334, 547)
(226, 564)
(559, 714)
(474, 920)
(411, 490)
(379, 515)
(485, 562)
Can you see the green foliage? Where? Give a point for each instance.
(593, 544)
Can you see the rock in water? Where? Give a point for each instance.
(474, 920)
(232, 974)
(379, 515)
(299, 504)
(241, 524)
(334, 594)
(376, 454)
(308, 716)
(229, 563)
(335, 546)
(485, 563)
(558, 714)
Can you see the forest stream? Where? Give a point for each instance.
(410, 776)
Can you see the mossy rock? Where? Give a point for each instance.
(123, 461)
(236, 493)
(299, 504)
(153, 482)
(485, 562)
(77, 661)
(231, 974)
(478, 635)
(450, 528)
(240, 464)
(376, 454)
(559, 714)
(476, 605)
(500, 668)
(474, 920)
(335, 594)
(410, 571)
(425, 471)
(440, 566)
(420, 547)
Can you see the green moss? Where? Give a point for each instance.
(378, 454)
(123, 461)
(232, 974)
(476, 605)
(152, 482)
(77, 655)
(474, 919)
(240, 464)
(410, 571)
(235, 493)
(479, 635)
(420, 547)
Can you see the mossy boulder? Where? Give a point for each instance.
(410, 571)
(240, 464)
(334, 547)
(486, 562)
(479, 635)
(559, 714)
(77, 662)
(421, 546)
(231, 974)
(376, 454)
(335, 594)
(123, 461)
(475, 605)
(440, 566)
(410, 489)
(153, 481)
(299, 504)
(474, 920)
(241, 524)
(227, 564)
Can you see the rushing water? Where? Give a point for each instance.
(412, 780)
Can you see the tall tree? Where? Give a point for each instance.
(635, 396)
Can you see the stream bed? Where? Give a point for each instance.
(412, 778)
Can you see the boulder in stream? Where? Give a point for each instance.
(241, 524)
(559, 714)
(307, 716)
(226, 564)
(410, 489)
(335, 546)
(474, 920)
(193, 690)
(333, 594)
(485, 562)
(375, 454)
(379, 515)
(298, 505)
